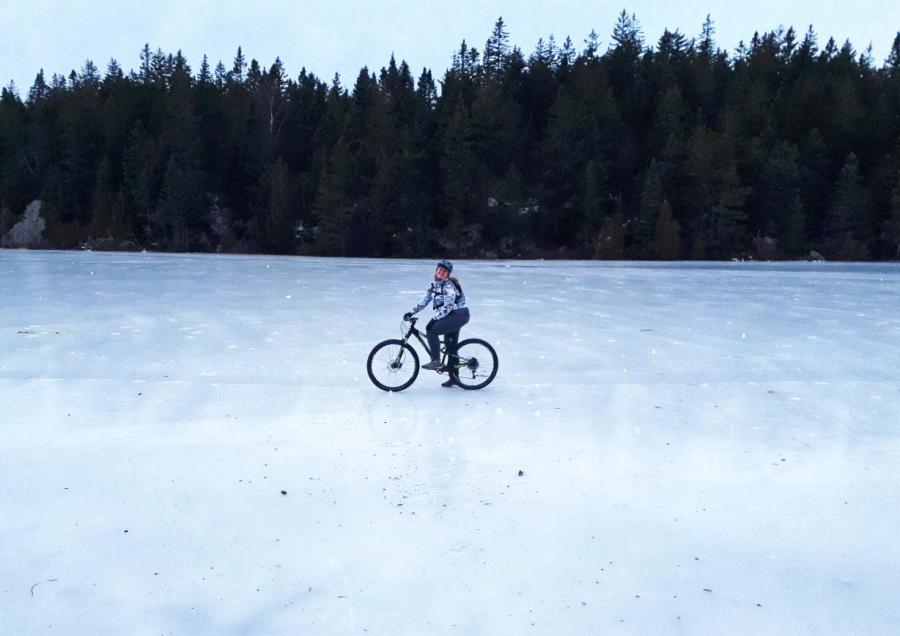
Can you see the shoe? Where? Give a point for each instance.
(434, 365)
(449, 383)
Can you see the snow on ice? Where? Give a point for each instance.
(190, 445)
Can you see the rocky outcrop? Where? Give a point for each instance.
(29, 230)
(109, 244)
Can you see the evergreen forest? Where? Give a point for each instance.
(619, 149)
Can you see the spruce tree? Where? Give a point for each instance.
(238, 68)
(144, 74)
(179, 203)
(592, 203)
(591, 46)
(280, 215)
(795, 241)
(90, 75)
(39, 89)
(842, 218)
(610, 241)
(496, 50)
(221, 75)
(460, 175)
(139, 181)
(779, 189)
(644, 228)
(892, 225)
(667, 234)
(204, 78)
(333, 207)
(726, 223)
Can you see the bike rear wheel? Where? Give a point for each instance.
(476, 366)
(393, 365)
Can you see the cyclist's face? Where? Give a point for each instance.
(441, 273)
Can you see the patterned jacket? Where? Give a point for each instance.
(446, 297)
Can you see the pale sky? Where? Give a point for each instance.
(345, 35)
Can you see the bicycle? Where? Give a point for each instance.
(393, 365)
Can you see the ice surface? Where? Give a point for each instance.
(705, 448)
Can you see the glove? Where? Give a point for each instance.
(407, 316)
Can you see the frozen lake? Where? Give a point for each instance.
(705, 448)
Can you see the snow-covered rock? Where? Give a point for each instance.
(29, 230)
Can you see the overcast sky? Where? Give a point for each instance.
(328, 36)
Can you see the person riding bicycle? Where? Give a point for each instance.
(449, 302)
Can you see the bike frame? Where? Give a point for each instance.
(422, 341)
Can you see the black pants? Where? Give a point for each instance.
(449, 327)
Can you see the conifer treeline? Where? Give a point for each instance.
(676, 150)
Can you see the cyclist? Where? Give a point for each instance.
(449, 302)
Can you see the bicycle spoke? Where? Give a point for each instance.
(477, 364)
(392, 367)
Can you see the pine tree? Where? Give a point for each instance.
(591, 46)
(893, 223)
(159, 69)
(610, 242)
(254, 75)
(465, 62)
(460, 175)
(6, 221)
(332, 209)
(815, 170)
(416, 199)
(849, 209)
(221, 75)
(58, 83)
(584, 122)
(566, 57)
(495, 130)
(717, 196)
(667, 234)
(179, 203)
(106, 207)
(806, 53)
(779, 189)
(204, 78)
(114, 72)
(138, 180)
(795, 241)
(627, 35)
(706, 46)
(280, 217)
(592, 202)
(843, 218)
(15, 166)
(496, 50)
(892, 63)
(39, 89)
(144, 74)
(644, 228)
(238, 67)
(725, 225)
(90, 75)
(705, 75)
(272, 103)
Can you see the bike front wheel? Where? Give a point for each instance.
(473, 363)
(393, 365)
